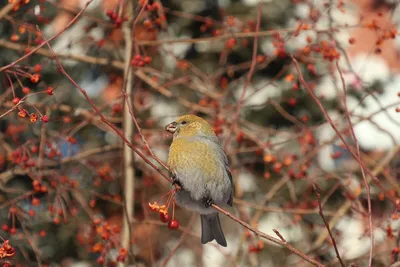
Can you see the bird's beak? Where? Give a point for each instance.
(172, 127)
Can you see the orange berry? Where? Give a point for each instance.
(14, 37)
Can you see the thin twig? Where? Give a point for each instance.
(183, 236)
(248, 79)
(366, 184)
(321, 213)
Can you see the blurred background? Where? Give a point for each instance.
(248, 67)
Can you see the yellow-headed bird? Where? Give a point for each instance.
(199, 165)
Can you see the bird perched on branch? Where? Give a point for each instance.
(199, 166)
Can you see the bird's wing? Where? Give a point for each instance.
(230, 200)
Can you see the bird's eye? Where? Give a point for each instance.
(183, 122)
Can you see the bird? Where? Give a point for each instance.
(198, 164)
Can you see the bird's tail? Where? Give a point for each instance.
(211, 229)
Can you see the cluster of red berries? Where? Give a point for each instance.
(208, 24)
(139, 61)
(122, 255)
(104, 173)
(164, 216)
(18, 4)
(291, 79)
(279, 43)
(256, 248)
(155, 17)
(38, 187)
(115, 18)
(6, 250)
(6, 228)
(52, 153)
(106, 232)
(21, 157)
(23, 113)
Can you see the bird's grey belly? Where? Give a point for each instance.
(184, 199)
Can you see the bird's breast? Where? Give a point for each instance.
(193, 158)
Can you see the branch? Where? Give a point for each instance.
(268, 237)
(7, 8)
(129, 178)
(237, 35)
(49, 40)
(103, 118)
(328, 118)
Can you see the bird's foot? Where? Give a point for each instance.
(176, 182)
(207, 201)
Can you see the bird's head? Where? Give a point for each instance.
(189, 126)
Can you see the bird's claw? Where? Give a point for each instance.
(207, 201)
(176, 181)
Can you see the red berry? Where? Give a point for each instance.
(100, 260)
(292, 101)
(42, 233)
(34, 149)
(173, 224)
(44, 119)
(16, 100)
(121, 258)
(230, 43)
(147, 60)
(118, 22)
(5, 227)
(14, 37)
(35, 202)
(156, 5)
(109, 13)
(25, 158)
(26, 90)
(37, 68)
(13, 231)
(49, 90)
(116, 229)
(35, 78)
(164, 218)
(147, 23)
(114, 15)
(260, 59)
